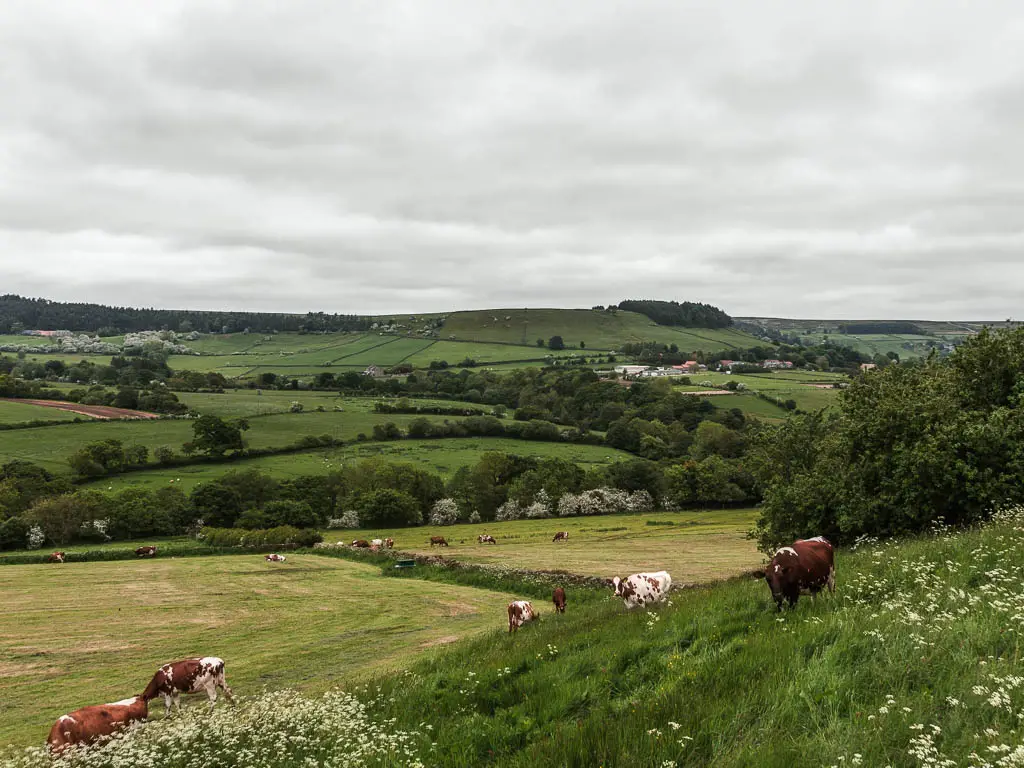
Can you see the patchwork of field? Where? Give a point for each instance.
(441, 456)
(800, 386)
(13, 412)
(694, 546)
(596, 329)
(311, 623)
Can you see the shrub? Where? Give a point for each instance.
(348, 519)
(541, 506)
(289, 512)
(387, 507)
(510, 510)
(444, 512)
(474, 516)
(14, 533)
(281, 536)
(35, 538)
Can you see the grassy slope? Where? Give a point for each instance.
(701, 545)
(442, 456)
(306, 623)
(599, 330)
(789, 385)
(719, 679)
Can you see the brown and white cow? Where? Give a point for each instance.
(86, 725)
(559, 600)
(439, 541)
(273, 557)
(389, 543)
(360, 543)
(188, 676)
(561, 536)
(146, 551)
(485, 539)
(640, 589)
(519, 612)
(56, 557)
(805, 567)
(376, 543)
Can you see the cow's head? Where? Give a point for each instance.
(779, 573)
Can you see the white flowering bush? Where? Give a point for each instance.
(35, 537)
(444, 512)
(349, 519)
(604, 501)
(273, 729)
(640, 501)
(474, 516)
(510, 510)
(95, 530)
(540, 508)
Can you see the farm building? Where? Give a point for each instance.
(630, 370)
(374, 370)
(775, 364)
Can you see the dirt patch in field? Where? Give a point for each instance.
(94, 411)
(12, 669)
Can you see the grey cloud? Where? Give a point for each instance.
(848, 160)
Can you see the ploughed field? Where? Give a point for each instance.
(696, 546)
(88, 633)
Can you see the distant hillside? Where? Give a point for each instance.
(597, 329)
(18, 313)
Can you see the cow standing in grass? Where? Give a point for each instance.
(439, 541)
(558, 598)
(806, 567)
(56, 557)
(640, 589)
(561, 536)
(146, 552)
(188, 676)
(273, 557)
(389, 543)
(485, 539)
(86, 725)
(360, 543)
(519, 612)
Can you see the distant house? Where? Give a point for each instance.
(690, 366)
(726, 365)
(651, 372)
(630, 370)
(374, 370)
(776, 364)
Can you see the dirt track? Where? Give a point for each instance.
(95, 411)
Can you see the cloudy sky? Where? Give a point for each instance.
(825, 159)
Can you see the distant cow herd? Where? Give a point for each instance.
(805, 567)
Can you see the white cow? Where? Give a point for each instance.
(643, 588)
(520, 612)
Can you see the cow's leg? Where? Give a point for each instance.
(832, 580)
(224, 687)
(211, 692)
(167, 705)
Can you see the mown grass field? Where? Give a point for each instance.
(311, 623)
(441, 456)
(795, 385)
(697, 546)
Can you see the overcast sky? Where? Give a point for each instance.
(804, 159)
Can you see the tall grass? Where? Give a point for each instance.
(915, 662)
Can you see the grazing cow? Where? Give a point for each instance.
(559, 599)
(274, 558)
(438, 540)
(361, 543)
(389, 543)
(485, 539)
(146, 552)
(188, 676)
(56, 557)
(805, 567)
(561, 536)
(88, 724)
(643, 588)
(377, 543)
(519, 612)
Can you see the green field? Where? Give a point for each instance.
(312, 623)
(699, 546)
(15, 413)
(598, 330)
(441, 456)
(795, 385)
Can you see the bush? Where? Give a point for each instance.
(444, 512)
(348, 519)
(282, 536)
(510, 510)
(297, 514)
(387, 507)
(14, 533)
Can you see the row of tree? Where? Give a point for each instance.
(687, 314)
